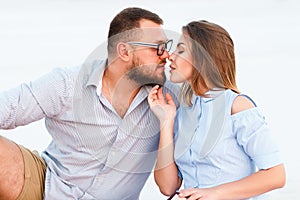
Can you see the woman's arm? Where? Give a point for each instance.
(258, 183)
(166, 172)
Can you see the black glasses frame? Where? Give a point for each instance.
(160, 48)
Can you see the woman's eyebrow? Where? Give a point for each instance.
(180, 43)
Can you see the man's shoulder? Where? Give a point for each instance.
(67, 72)
(83, 69)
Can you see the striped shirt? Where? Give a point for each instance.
(94, 153)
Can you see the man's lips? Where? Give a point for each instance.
(172, 67)
(161, 64)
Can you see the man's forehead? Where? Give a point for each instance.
(154, 34)
(145, 23)
(152, 30)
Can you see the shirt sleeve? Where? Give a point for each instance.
(255, 137)
(46, 96)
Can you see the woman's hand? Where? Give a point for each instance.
(163, 107)
(198, 194)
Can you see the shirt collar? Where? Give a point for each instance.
(212, 94)
(96, 73)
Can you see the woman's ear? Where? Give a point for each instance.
(123, 51)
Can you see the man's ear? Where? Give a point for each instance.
(123, 51)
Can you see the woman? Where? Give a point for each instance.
(218, 142)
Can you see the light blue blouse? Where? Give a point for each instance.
(213, 147)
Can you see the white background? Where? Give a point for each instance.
(37, 36)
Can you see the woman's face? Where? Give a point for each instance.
(181, 62)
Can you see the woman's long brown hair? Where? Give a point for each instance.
(213, 56)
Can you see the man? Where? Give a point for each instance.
(104, 136)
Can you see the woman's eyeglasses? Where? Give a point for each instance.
(161, 47)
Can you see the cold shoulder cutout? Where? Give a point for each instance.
(241, 103)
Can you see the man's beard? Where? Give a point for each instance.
(144, 74)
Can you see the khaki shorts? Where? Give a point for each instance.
(35, 169)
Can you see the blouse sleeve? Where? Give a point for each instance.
(255, 137)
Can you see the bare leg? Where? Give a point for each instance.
(11, 170)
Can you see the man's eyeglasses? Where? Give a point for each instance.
(161, 47)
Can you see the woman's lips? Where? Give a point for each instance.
(172, 68)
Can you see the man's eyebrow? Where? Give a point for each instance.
(161, 41)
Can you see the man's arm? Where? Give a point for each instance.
(46, 96)
(18, 107)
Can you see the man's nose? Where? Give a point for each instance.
(165, 55)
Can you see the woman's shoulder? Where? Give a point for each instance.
(238, 102)
(245, 111)
(241, 103)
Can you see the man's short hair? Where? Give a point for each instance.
(125, 21)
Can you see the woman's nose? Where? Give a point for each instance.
(171, 57)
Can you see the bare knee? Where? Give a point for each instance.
(11, 169)
(8, 149)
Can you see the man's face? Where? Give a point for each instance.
(148, 67)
